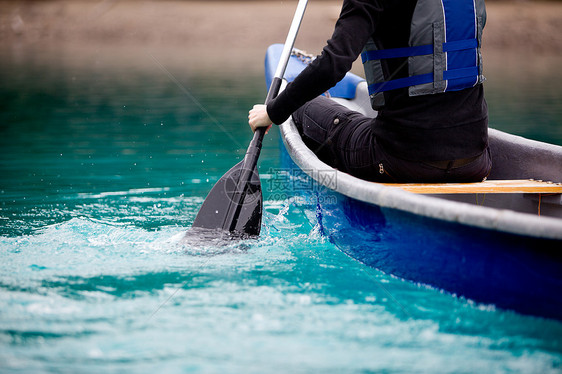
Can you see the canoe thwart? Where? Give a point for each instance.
(489, 186)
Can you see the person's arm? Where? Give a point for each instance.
(354, 27)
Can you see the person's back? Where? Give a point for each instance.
(431, 127)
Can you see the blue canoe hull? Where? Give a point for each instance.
(493, 255)
(478, 264)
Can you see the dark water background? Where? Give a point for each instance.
(105, 159)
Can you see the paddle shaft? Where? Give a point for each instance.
(254, 149)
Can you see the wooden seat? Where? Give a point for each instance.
(488, 186)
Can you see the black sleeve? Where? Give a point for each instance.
(355, 25)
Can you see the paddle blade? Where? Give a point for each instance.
(220, 211)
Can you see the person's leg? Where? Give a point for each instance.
(315, 122)
(343, 139)
(339, 137)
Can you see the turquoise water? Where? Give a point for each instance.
(104, 166)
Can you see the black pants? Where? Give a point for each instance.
(343, 139)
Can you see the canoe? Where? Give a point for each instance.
(498, 242)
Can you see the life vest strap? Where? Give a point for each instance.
(421, 79)
(382, 54)
(420, 50)
(460, 73)
(400, 83)
(460, 45)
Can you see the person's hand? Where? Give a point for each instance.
(258, 117)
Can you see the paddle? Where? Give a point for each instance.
(234, 204)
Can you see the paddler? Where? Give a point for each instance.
(423, 65)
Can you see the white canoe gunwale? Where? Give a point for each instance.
(502, 220)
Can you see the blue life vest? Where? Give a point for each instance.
(443, 52)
